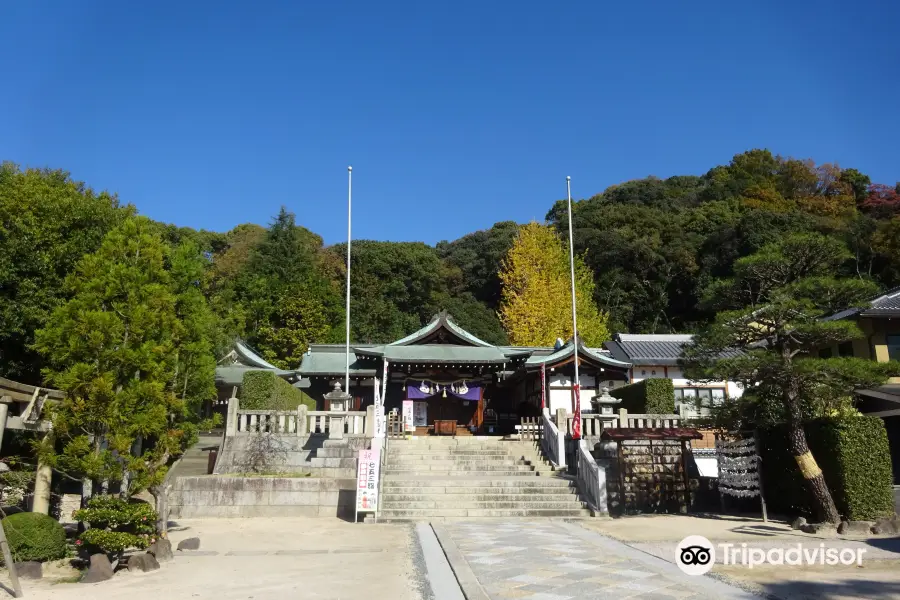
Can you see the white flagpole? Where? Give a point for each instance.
(349, 213)
(576, 428)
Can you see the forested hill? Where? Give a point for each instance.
(652, 244)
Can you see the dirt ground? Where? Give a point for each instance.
(877, 578)
(310, 558)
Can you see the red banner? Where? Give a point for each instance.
(576, 422)
(543, 386)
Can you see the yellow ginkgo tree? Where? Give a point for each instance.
(536, 305)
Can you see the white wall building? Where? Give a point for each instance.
(656, 356)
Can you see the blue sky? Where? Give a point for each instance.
(454, 115)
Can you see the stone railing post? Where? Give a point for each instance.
(231, 421)
(335, 427)
(561, 419)
(369, 427)
(302, 419)
(623, 418)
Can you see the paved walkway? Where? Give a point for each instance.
(552, 560)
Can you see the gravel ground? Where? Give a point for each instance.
(269, 559)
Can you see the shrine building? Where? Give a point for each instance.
(452, 376)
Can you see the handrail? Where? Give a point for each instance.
(553, 443)
(591, 479)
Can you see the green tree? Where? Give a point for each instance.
(47, 223)
(536, 305)
(299, 319)
(478, 256)
(115, 348)
(772, 311)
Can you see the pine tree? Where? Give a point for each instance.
(772, 311)
(535, 306)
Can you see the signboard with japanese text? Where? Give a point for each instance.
(367, 481)
(408, 426)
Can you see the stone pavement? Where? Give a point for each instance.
(553, 560)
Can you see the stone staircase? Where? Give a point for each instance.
(472, 477)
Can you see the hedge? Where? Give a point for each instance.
(34, 536)
(854, 456)
(650, 396)
(264, 390)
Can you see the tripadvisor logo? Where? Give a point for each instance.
(696, 555)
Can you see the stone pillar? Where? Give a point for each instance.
(4, 410)
(43, 478)
(561, 416)
(335, 427)
(623, 418)
(231, 423)
(302, 419)
(370, 421)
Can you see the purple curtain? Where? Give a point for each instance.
(417, 390)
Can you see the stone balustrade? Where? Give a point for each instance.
(299, 422)
(591, 479)
(553, 441)
(592, 424)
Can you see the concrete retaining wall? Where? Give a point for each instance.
(297, 455)
(224, 496)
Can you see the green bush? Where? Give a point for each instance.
(650, 396)
(34, 536)
(854, 456)
(264, 390)
(116, 525)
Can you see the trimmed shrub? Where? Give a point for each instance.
(650, 396)
(34, 536)
(854, 456)
(264, 390)
(116, 525)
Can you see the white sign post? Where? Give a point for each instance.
(408, 423)
(367, 472)
(380, 420)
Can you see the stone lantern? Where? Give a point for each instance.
(604, 404)
(338, 400)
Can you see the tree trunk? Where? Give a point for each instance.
(812, 474)
(813, 478)
(161, 500)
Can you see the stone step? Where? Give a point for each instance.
(485, 504)
(336, 453)
(433, 480)
(462, 474)
(498, 495)
(517, 490)
(424, 513)
(424, 455)
(343, 463)
(471, 462)
(454, 466)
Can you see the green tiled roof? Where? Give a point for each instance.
(234, 374)
(326, 359)
(445, 320)
(567, 351)
(440, 353)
